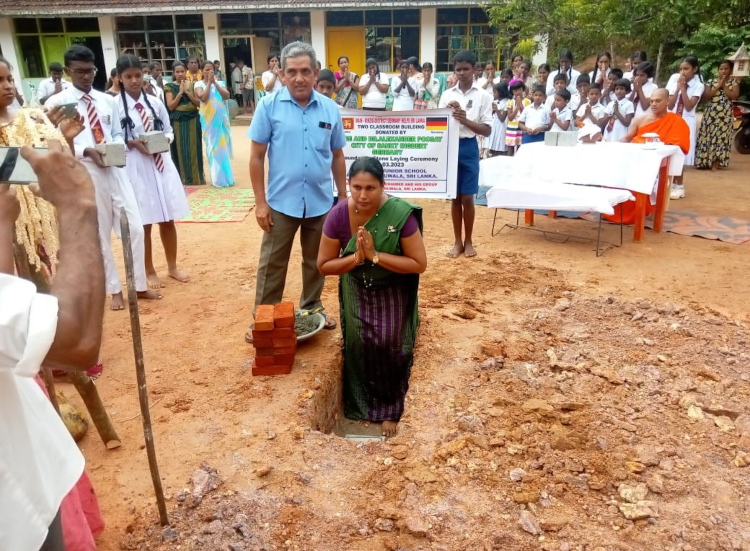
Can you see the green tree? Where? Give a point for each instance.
(662, 26)
(711, 44)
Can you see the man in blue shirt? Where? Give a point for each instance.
(302, 133)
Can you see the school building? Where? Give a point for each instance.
(34, 33)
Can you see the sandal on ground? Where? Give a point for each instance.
(249, 334)
(330, 322)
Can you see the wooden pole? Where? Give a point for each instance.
(140, 369)
(90, 396)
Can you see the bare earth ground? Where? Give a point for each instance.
(605, 380)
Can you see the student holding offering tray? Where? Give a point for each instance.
(156, 182)
(113, 189)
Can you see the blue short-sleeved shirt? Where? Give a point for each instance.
(300, 144)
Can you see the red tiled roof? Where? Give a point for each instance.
(88, 8)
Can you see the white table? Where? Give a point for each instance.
(615, 165)
(522, 192)
(619, 165)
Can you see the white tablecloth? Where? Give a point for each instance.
(613, 165)
(522, 192)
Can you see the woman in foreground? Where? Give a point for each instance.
(374, 242)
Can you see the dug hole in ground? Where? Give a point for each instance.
(558, 401)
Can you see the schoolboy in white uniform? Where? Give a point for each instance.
(52, 85)
(620, 113)
(582, 95)
(472, 108)
(534, 121)
(113, 189)
(589, 116)
(561, 116)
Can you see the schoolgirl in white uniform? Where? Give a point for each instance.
(565, 66)
(601, 71)
(113, 189)
(156, 181)
(496, 142)
(685, 92)
(643, 87)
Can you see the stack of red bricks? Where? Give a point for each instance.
(274, 339)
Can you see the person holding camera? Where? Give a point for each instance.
(39, 460)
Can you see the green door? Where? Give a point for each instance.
(54, 47)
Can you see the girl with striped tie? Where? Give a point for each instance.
(114, 192)
(156, 182)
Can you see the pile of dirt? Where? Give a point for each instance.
(539, 417)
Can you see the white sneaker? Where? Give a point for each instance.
(678, 192)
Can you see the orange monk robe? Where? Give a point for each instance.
(672, 130)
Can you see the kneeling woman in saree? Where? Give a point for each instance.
(374, 242)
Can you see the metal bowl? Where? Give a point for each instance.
(320, 320)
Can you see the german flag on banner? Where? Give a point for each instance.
(436, 123)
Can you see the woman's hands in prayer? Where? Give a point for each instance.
(365, 244)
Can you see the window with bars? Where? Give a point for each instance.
(390, 35)
(161, 38)
(464, 29)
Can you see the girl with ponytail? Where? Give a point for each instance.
(601, 70)
(154, 177)
(564, 66)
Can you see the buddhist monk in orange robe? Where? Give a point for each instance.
(672, 130)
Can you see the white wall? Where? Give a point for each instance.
(318, 35)
(540, 56)
(428, 35)
(109, 41)
(214, 49)
(8, 45)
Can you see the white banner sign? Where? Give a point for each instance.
(418, 149)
